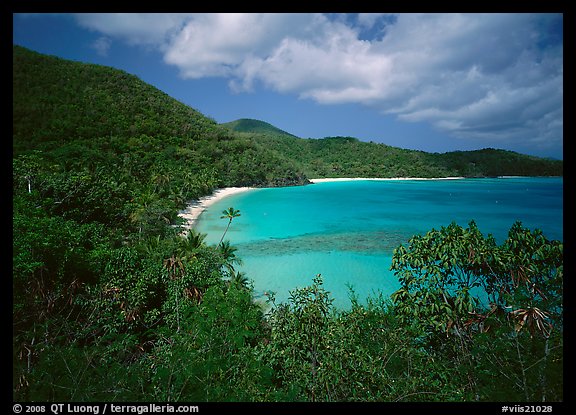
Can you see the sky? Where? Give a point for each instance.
(435, 82)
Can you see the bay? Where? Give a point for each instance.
(346, 231)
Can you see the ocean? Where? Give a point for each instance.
(346, 231)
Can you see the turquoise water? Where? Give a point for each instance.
(347, 231)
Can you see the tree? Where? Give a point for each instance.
(27, 167)
(229, 214)
(192, 241)
(467, 296)
(229, 256)
(438, 273)
(297, 345)
(239, 280)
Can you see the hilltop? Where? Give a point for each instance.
(57, 102)
(248, 125)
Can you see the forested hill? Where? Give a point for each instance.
(248, 125)
(58, 102)
(350, 157)
(83, 115)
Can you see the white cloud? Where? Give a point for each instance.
(224, 44)
(496, 76)
(135, 28)
(102, 45)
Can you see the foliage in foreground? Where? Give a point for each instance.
(176, 326)
(496, 310)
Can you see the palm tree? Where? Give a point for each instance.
(190, 243)
(239, 280)
(194, 239)
(228, 253)
(160, 180)
(141, 212)
(230, 214)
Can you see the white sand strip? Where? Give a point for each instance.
(348, 179)
(195, 209)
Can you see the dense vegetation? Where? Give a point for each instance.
(350, 157)
(247, 125)
(111, 302)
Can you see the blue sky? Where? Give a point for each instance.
(433, 82)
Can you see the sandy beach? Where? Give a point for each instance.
(347, 179)
(195, 209)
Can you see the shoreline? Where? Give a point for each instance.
(192, 212)
(194, 209)
(350, 179)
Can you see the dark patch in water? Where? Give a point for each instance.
(366, 242)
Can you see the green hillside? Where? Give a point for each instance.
(246, 125)
(57, 102)
(110, 302)
(81, 114)
(77, 114)
(350, 157)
